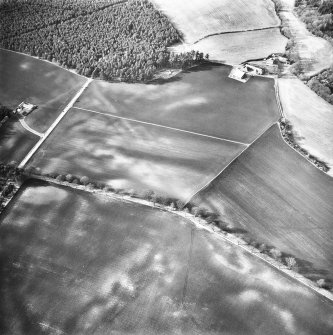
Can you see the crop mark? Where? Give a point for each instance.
(188, 266)
(161, 126)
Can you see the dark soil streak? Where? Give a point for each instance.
(188, 266)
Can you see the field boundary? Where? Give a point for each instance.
(277, 97)
(216, 176)
(161, 126)
(54, 124)
(202, 224)
(236, 32)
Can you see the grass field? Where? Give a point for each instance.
(89, 264)
(197, 19)
(234, 48)
(279, 198)
(15, 142)
(311, 117)
(203, 100)
(24, 78)
(132, 155)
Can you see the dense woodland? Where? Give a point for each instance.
(318, 17)
(110, 39)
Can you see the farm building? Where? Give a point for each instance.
(243, 72)
(238, 74)
(24, 109)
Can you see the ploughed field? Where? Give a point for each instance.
(202, 100)
(132, 155)
(279, 198)
(197, 19)
(24, 78)
(89, 264)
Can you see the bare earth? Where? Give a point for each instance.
(311, 117)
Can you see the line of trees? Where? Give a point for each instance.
(175, 204)
(126, 42)
(9, 174)
(288, 135)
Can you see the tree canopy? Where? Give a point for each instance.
(109, 39)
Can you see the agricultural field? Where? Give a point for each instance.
(234, 48)
(133, 269)
(280, 199)
(132, 155)
(202, 100)
(15, 142)
(24, 78)
(311, 117)
(197, 19)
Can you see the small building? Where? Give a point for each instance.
(250, 69)
(238, 74)
(24, 109)
(270, 61)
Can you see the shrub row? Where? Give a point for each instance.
(287, 134)
(9, 173)
(200, 212)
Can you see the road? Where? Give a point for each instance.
(54, 124)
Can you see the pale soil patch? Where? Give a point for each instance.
(315, 53)
(235, 48)
(197, 19)
(311, 117)
(131, 155)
